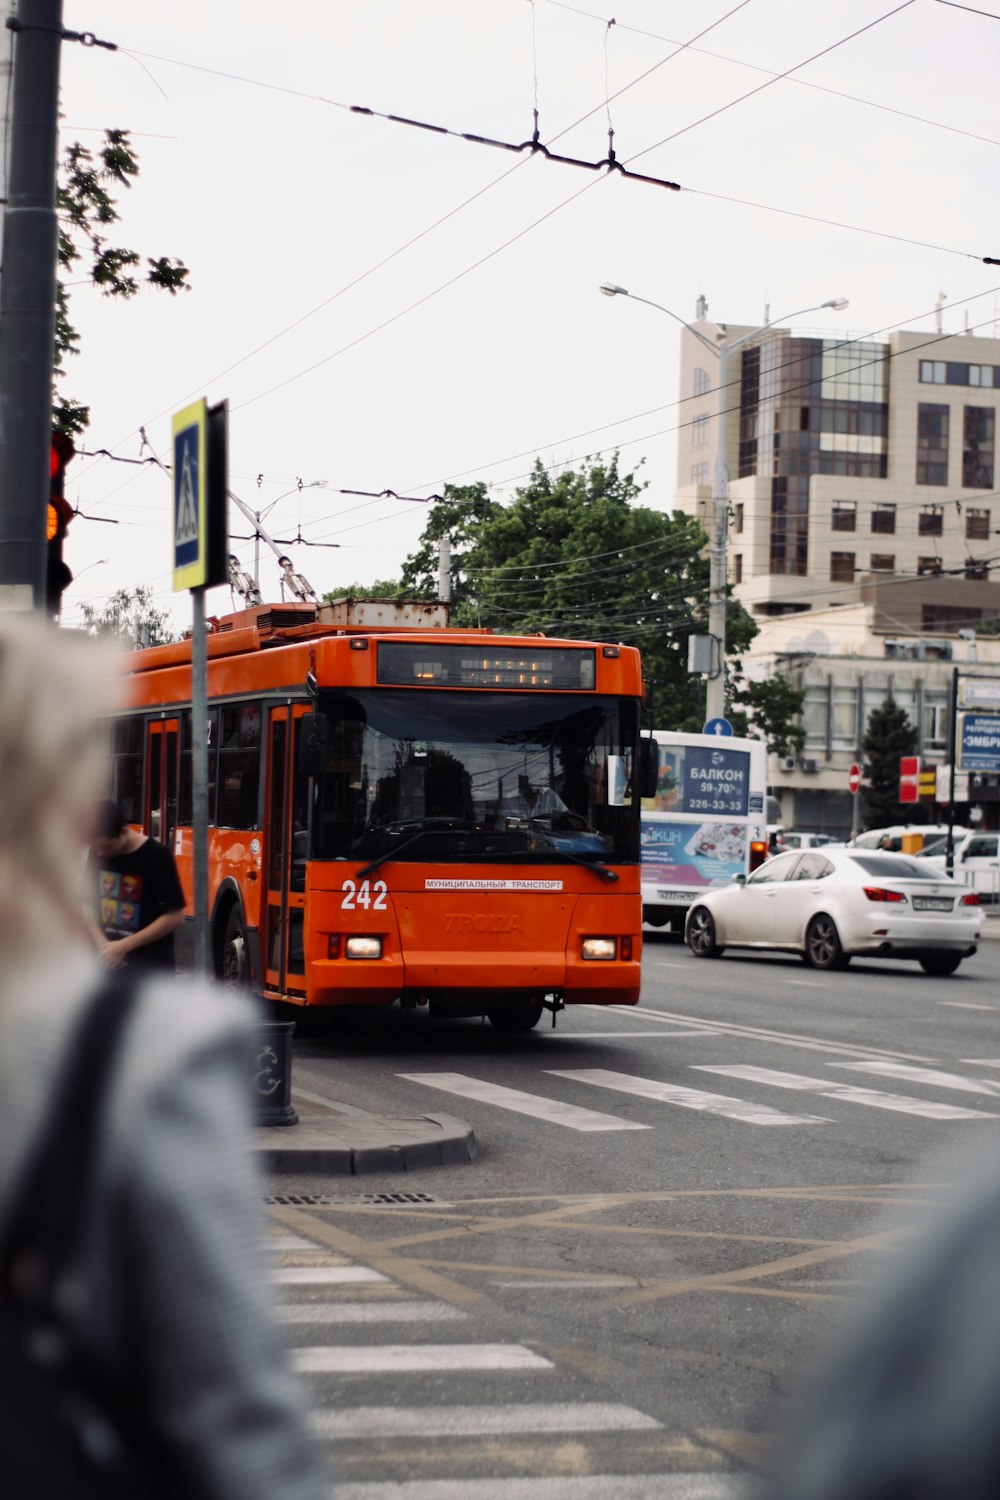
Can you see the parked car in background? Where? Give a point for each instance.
(791, 838)
(976, 862)
(831, 904)
(930, 832)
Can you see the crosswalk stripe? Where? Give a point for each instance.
(386, 1422)
(401, 1359)
(568, 1487)
(981, 1062)
(279, 1243)
(324, 1275)
(875, 1098)
(552, 1110)
(934, 1077)
(368, 1312)
(671, 1093)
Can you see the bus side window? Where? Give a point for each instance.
(126, 766)
(185, 811)
(239, 767)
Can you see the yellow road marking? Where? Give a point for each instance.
(753, 1448)
(836, 1250)
(409, 1272)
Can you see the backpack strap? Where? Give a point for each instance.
(49, 1206)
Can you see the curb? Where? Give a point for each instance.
(350, 1145)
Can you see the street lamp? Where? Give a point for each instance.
(98, 564)
(715, 688)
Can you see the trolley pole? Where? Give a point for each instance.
(27, 301)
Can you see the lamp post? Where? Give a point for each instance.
(715, 687)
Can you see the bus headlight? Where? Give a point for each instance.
(363, 947)
(600, 948)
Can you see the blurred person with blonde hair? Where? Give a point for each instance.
(164, 1303)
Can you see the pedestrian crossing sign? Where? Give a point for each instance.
(190, 496)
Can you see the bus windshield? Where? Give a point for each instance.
(468, 776)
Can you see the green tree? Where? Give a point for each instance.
(86, 210)
(770, 709)
(382, 588)
(889, 735)
(574, 555)
(131, 615)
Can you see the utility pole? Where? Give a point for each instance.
(27, 302)
(715, 687)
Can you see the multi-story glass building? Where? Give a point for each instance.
(858, 471)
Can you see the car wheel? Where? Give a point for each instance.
(823, 950)
(940, 964)
(701, 934)
(516, 1015)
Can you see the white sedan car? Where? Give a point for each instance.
(830, 904)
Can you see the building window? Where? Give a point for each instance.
(932, 444)
(701, 382)
(977, 524)
(931, 521)
(883, 562)
(845, 515)
(935, 725)
(981, 375)
(699, 432)
(932, 371)
(738, 519)
(947, 616)
(738, 567)
(884, 520)
(699, 474)
(979, 571)
(928, 565)
(978, 430)
(841, 567)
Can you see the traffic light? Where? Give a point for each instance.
(57, 574)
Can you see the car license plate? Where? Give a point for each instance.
(932, 903)
(673, 895)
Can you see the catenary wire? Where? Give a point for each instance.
(797, 82)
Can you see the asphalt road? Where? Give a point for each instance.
(673, 1208)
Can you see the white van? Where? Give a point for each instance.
(977, 863)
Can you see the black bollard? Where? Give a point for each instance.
(272, 1076)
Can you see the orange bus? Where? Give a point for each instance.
(401, 810)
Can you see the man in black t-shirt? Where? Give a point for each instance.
(139, 900)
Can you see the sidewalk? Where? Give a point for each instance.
(338, 1140)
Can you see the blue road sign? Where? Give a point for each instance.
(718, 726)
(979, 742)
(190, 484)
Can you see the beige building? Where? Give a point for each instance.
(858, 471)
(847, 660)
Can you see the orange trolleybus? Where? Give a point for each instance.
(400, 810)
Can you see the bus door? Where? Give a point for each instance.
(161, 781)
(286, 831)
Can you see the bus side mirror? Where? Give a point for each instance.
(313, 737)
(649, 767)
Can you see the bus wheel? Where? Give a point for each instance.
(235, 974)
(516, 1015)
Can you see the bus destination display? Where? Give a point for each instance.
(402, 664)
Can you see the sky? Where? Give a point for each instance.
(388, 308)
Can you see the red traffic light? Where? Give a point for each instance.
(60, 513)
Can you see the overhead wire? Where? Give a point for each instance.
(742, 98)
(796, 82)
(678, 49)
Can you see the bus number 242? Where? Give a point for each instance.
(366, 894)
